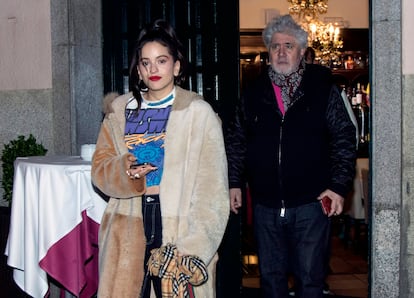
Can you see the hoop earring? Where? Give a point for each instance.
(142, 87)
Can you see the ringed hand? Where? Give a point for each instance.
(337, 204)
(139, 171)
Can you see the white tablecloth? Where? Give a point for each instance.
(354, 203)
(49, 195)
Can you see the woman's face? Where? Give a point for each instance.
(157, 69)
(285, 53)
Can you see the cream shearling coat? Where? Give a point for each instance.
(193, 192)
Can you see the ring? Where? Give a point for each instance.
(335, 213)
(137, 176)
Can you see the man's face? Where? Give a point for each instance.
(285, 53)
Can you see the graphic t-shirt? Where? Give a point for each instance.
(145, 133)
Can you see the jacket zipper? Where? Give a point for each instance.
(296, 98)
(283, 209)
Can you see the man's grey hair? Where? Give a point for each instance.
(287, 25)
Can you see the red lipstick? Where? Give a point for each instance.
(154, 78)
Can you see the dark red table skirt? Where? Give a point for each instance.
(73, 260)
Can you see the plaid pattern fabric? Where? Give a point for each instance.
(178, 273)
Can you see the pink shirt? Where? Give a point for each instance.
(278, 93)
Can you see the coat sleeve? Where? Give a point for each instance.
(343, 144)
(109, 167)
(235, 142)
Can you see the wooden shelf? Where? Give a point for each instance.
(350, 77)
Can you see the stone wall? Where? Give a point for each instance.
(69, 114)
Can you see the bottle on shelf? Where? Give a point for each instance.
(349, 64)
(358, 94)
(361, 111)
(367, 99)
(353, 99)
(360, 62)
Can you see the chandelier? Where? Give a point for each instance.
(309, 8)
(324, 38)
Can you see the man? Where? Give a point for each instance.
(293, 142)
(309, 55)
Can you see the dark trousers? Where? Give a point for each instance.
(151, 212)
(297, 242)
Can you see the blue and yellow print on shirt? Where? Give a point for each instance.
(145, 134)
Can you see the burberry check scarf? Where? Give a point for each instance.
(178, 273)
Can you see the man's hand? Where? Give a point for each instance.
(235, 199)
(337, 205)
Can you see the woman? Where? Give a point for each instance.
(160, 158)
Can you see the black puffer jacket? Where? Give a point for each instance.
(296, 157)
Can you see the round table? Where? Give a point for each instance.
(55, 217)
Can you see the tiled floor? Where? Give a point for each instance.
(348, 266)
(349, 271)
